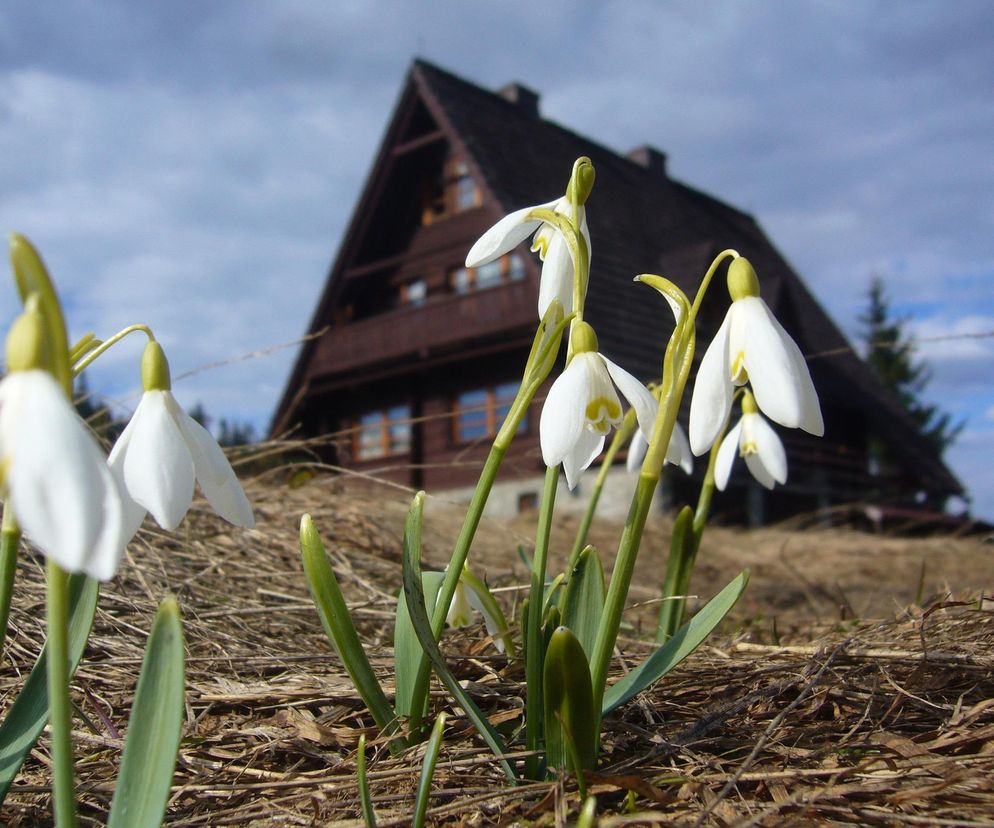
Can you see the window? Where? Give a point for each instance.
(509, 268)
(383, 433)
(451, 192)
(414, 293)
(480, 412)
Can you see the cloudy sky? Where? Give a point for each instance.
(193, 165)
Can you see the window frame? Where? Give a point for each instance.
(494, 408)
(506, 277)
(382, 420)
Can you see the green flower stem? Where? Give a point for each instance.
(10, 537)
(706, 281)
(678, 572)
(617, 594)
(533, 624)
(60, 709)
(621, 436)
(107, 344)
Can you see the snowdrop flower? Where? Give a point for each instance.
(163, 451)
(751, 346)
(759, 446)
(583, 405)
(55, 476)
(469, 600)
(557, 263)
(678, 452)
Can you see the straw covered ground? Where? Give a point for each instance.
(853, 684)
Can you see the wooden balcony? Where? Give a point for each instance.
(443, 323)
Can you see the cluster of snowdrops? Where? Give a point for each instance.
(80, 508)
(568, 624)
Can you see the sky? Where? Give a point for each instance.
(193, 165)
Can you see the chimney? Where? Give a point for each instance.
(522, 97)
(652, 159)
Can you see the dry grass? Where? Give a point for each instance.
(858, 707)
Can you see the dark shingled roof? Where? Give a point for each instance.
(641, 220)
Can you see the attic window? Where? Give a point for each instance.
(509, 268)
(454, 191)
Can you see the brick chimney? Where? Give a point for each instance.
(522, 97)
(652, 159)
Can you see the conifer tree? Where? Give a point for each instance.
(890, 353)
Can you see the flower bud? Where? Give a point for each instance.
(749, 403)
(582, 339)
(26, 340)
(155, 368)
(581, 182)
(742, 281)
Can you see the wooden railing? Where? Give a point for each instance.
(443, 321)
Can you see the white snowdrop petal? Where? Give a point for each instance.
(771, 360)
(58, 482)
(504, 236)
(214, 473)
(712, 396)
(492, 624)
(557, 276)
(158, 470)
(582, 454)
(755, 465)
(636, 451)
(678, 452)
(562, 414)
(636, 393)
(727, 451)
(769, 448)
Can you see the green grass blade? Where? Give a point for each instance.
(365, 800)
(428, 772)
(28, 714)
(686, 640)
(337, 623)
(155, 727)
(422, 626)
(407, 652)
(583, 599)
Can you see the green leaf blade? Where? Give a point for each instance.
(407, 651)
(677, 648)
(338, 626)
(155, 728)
(568, 704)
(28, 715)
(422, 626)
(583, 600)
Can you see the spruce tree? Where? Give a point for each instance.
(889, 352)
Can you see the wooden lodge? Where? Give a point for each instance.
(418, 356)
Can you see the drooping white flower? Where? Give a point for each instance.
(472, 596)
(163, 452)
(757, 443)
(751, 346)
(678, 452)
(557, 262)
(56, 477)
(583, 405)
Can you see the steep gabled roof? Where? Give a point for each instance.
(641, 220)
